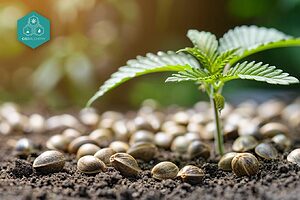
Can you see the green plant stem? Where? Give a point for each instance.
(219, 144)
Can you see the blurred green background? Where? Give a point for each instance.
(90, 39)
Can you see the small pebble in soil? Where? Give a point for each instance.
(244, 143)
(173, 129)
(198, 149)
(119, 146)
(89, 117)
(191, 174)
(78, 142)
(273, 128)
(195, 127)
(102, 136)
(245, 164)
(143, 151)
(109, 117)
(248, 127)
(270, 109)
(225, 161)
(24, 147)
(283, 169)
(140, 123)
(208, 132)
(282, 141)
(87, 149)
(120, 130)
(294, 156)
(90, 165)
(104, 155)
(181, 117)
(164, 170)
(49, 162)
(180, 144)
(266, 151)
(163, 140)
(59, 122)
(36, 123)
(192, 136)
(70, 134)
(57, 142)
(142, 136)
(125, 164)
(230, 131)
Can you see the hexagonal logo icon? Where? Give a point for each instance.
(33, 29)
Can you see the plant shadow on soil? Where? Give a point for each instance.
(276, 179)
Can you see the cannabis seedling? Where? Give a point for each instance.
(212, 63)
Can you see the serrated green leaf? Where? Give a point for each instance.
(204, 41)
(178, 79)
(196, 75)
(249, 37)
(223, 59)
(253, 39)
(151, 63)
(259, 72)
(220, 101)
(204, 60)
(234, 45)
(272, 45)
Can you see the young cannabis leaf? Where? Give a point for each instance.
(160, 62)
(211, 63)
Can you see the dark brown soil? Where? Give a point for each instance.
(276, 179)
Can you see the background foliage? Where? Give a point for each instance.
(91, 39)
